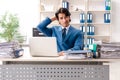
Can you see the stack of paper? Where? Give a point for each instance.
(78, 54)
(9, 49)
(110, 50)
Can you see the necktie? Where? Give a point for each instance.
(63, 33)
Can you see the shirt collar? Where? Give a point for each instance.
(67, 28)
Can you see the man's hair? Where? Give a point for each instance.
(64, 11)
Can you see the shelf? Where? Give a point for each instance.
(99, 11)
(77, 23)
(47, 11)
(49, 5)
(78, 11)
(99, 23)
(90, 23)
(98, 35)
(95, 7)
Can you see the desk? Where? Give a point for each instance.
(54, 68)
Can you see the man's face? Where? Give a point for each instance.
(63, 19)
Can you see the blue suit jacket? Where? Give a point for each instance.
(74, 39)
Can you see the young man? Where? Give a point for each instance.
(68, 38)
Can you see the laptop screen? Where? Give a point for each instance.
(43, 46)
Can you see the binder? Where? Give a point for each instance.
(90, 30)
(82, 17)
(107, 18)
(90, 41)
(65, 4)
(82, 28)
(89, 17)
(107, 5)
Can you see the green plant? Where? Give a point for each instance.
(9, 25)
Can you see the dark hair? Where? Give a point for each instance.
(62, 10)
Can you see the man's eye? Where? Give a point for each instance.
(61, 18)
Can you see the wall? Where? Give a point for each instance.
(115, 66)
(27, 11)
(115, 20)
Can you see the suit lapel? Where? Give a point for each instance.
(60, 33)
(68, 34)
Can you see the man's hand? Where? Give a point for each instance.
(61, 53)
(53, 18)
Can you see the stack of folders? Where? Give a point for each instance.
(78, 54)
(110, 50)
(10, 50)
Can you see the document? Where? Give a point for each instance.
(78, 54)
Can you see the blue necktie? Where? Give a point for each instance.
(63, 33)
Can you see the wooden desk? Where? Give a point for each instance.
(27, 57)
(54, 68)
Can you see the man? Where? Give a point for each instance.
(68, 38)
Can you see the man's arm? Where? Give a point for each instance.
(43, 26)
(79, 42)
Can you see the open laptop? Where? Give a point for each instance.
(43, 46)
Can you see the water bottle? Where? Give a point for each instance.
(89, 17)
(107, 18)
(82, 17)
(107, 5)
(65, 4)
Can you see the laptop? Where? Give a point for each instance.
(43, 46)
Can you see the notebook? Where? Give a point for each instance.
(43, 46)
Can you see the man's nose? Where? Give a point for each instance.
(64, 19)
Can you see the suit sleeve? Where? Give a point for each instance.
(43, 27)
(79, 42)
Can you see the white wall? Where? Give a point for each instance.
(28, 13)
(115, 66)
(27, 10)
(115, 20)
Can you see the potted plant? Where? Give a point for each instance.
(9, 25)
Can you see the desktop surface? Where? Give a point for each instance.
(27, 57)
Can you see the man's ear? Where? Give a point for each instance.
(70, 19)
(59, 23)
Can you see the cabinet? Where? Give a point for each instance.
(102, 30)
(102, 27)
